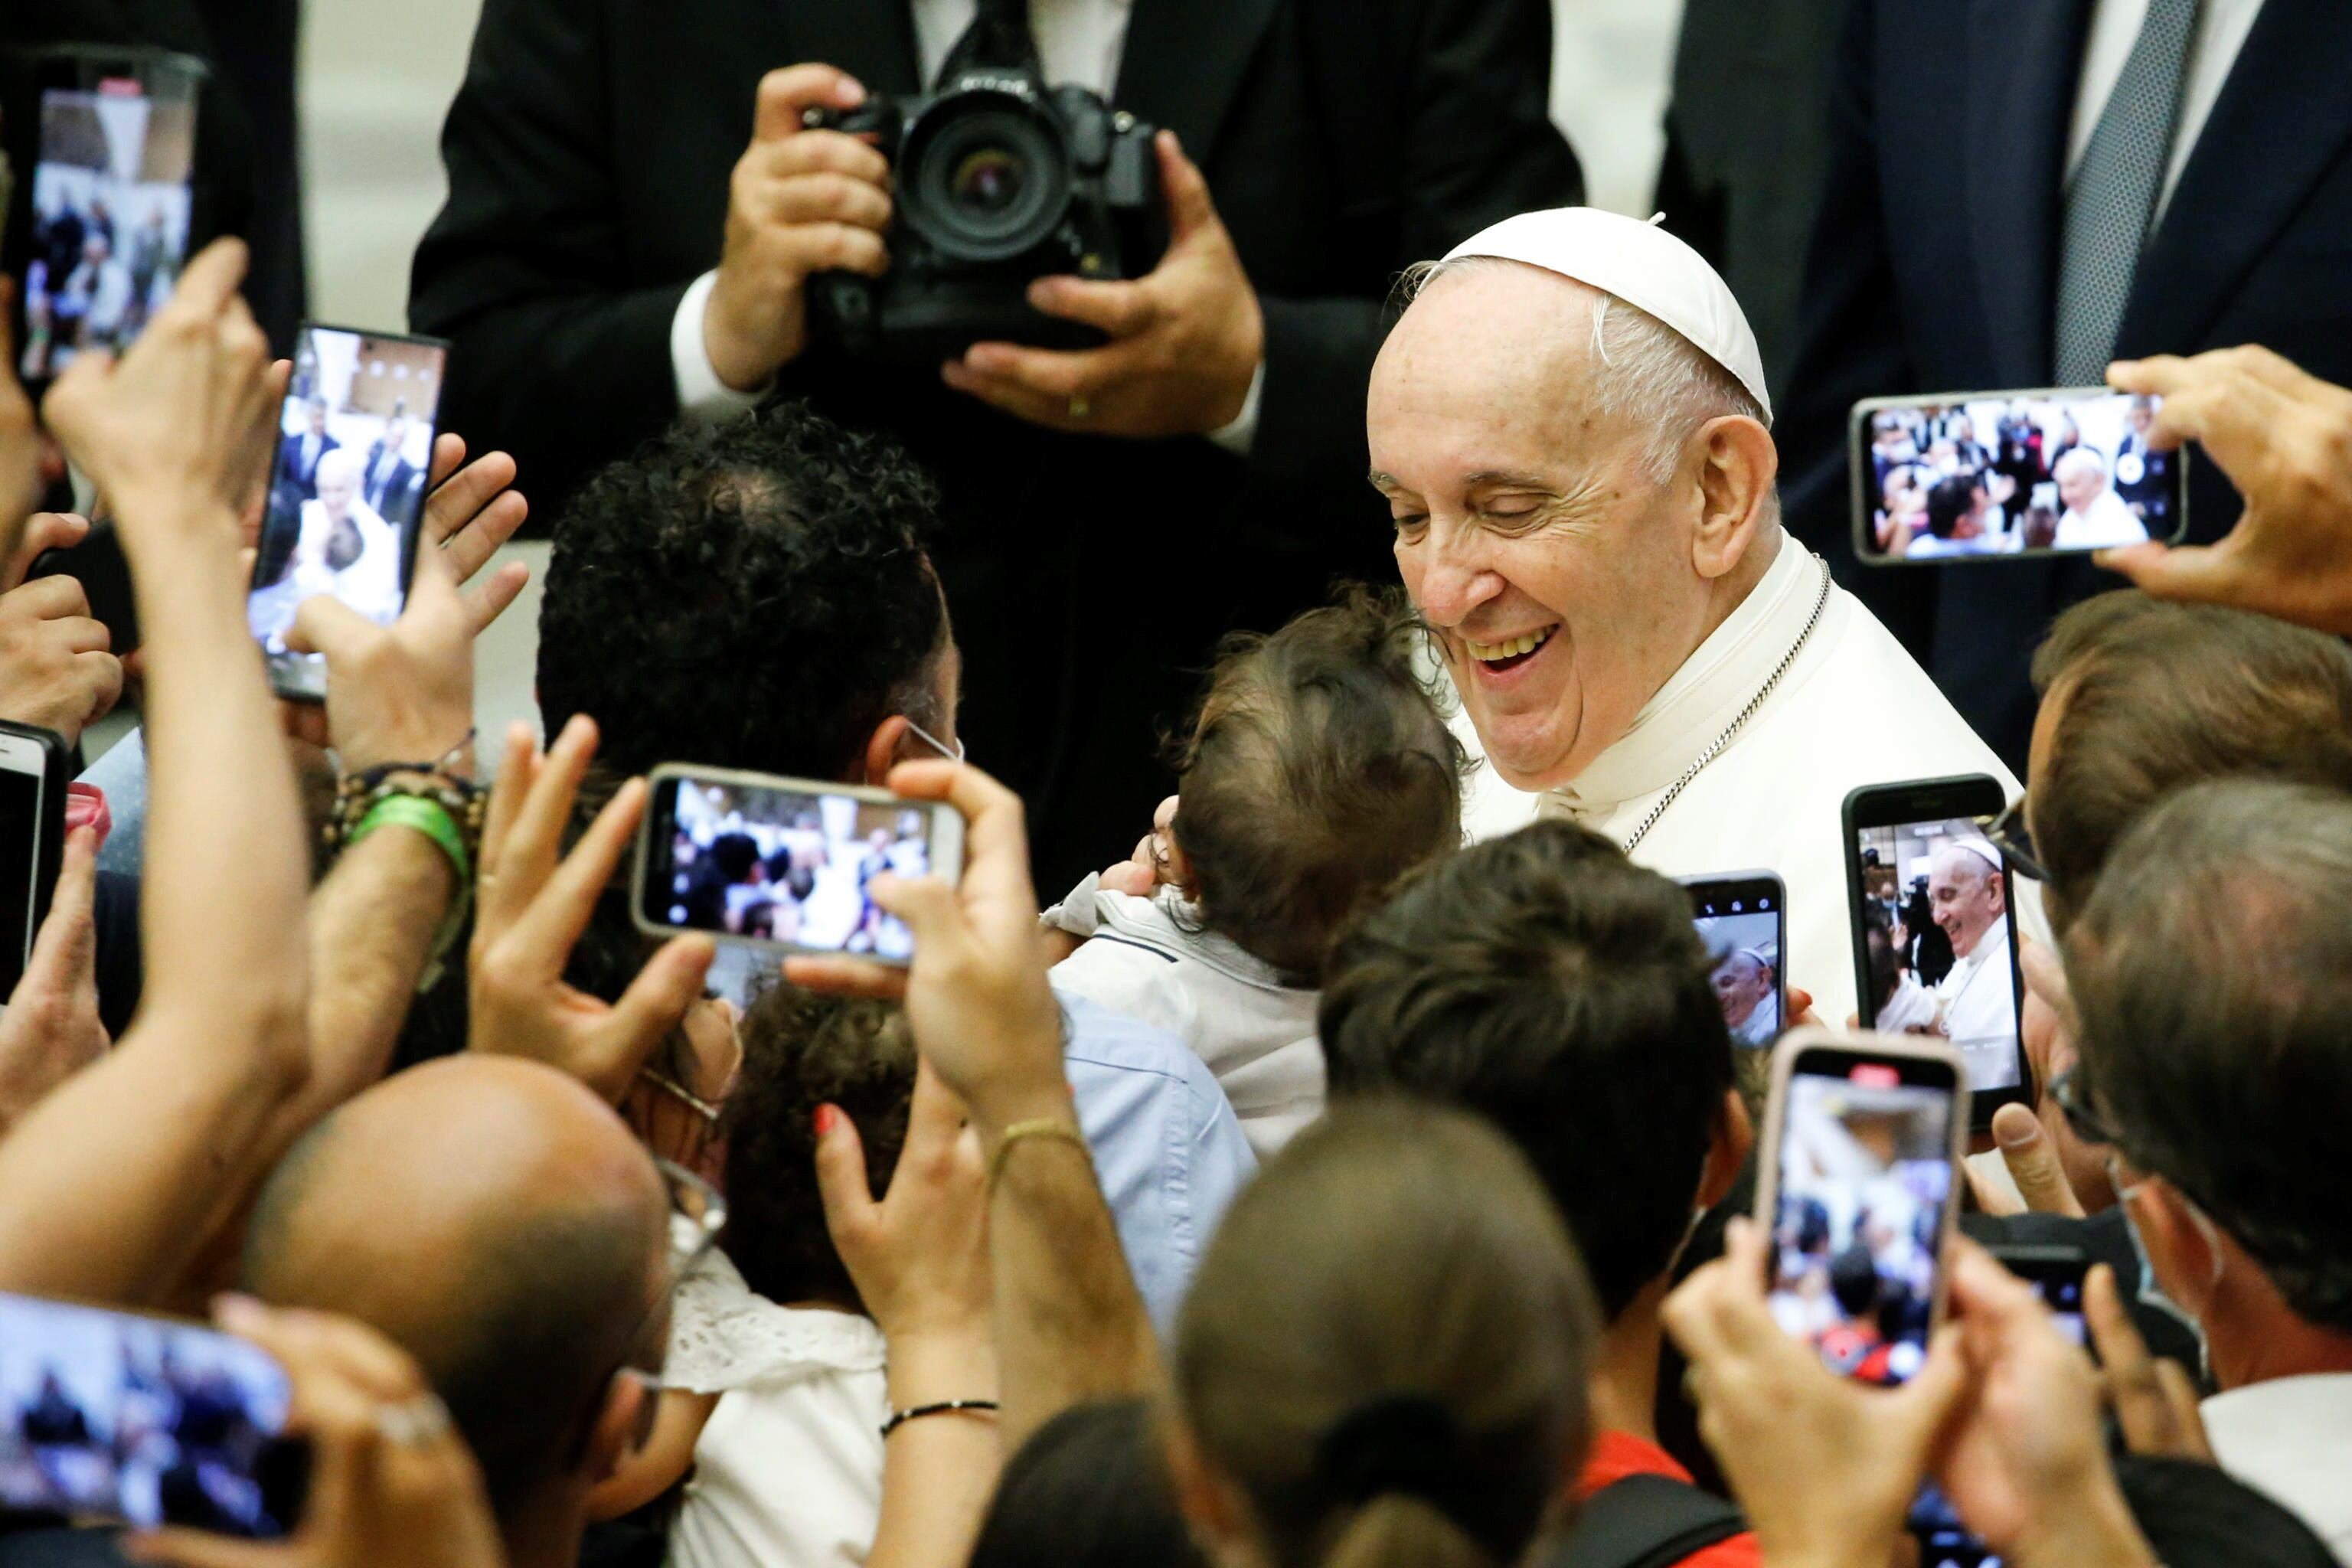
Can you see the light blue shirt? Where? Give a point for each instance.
(1168, 1148)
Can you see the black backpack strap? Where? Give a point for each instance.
(1645, 1521)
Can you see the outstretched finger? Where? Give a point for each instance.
(518, 767)
(859, 977)
(534, 842)
(485, 601)
(2191, 574)
(656, 1002)
(842, 1183)
(553, 924)
(325, 624)
(449, 451)
(66, 947)
(2032, 1161)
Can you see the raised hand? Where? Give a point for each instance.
(391, 1481)
(532, 906)
(1186, 338)
(401, 693)
(51, 1030)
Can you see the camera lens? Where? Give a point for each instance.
(988, 177)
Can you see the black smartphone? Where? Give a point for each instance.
(1857, 1187)
(346, 488)
(34, 763)
(98, 565)
(1742, 916)
(1935, 932)
(103, 144)
(784, 863)
(2057, 1272)
(145, 1420)
(1997, 475)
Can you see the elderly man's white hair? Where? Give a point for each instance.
(2074, 459)
(1649, 373)
(338, 466)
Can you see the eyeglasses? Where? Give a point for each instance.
(2067, 1093)
(696, 1215)
(954, 754)
(2007, 831)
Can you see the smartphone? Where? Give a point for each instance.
(2057, 1272)
(346, 486)
(144, 1420)
(1989, 476)
(33, 767)
(1742, 916)
(1857, 1188)
(784, 863)
(98, 565)
(1934, 933)
(98, 232)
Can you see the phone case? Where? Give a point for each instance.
(49, 849)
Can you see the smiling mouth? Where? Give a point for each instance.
(1499, 657)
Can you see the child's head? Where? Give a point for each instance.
(1319, 770)
(802, 1051)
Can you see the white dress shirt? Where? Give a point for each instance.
(2292, 1438)
(1853, 710)
(1079, 41)
(2222, 29)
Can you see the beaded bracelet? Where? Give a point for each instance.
(946, 1406)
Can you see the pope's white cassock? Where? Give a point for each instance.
(1853, 710)
(1978, 1010)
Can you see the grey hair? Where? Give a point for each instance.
(1652, 376)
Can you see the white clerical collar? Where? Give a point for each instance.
(1720, 677)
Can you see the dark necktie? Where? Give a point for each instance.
(2111, 201)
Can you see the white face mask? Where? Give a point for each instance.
(2151, 1290)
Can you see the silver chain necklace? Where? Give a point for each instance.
(1820, 601)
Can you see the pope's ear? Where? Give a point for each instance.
(1739, 466)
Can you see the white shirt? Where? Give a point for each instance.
(2292, 1438)
(1257, 1035)
(1978, 1006)
(1853, 710)
(2222, 29)
(1079, 41)
(2108, 521)
(788, 1471)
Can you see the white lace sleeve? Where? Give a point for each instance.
(724, 1335)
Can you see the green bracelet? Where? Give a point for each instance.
(430, 817)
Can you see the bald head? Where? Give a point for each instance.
(495, 1219)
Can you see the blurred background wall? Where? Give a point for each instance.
(376, 78)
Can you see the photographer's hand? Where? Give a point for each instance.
(2284, 440)
(799, 202)
(1186, 339)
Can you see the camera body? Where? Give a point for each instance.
(998, 180)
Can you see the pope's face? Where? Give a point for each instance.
(1557, 574)
(1739, 985)
(1966, 898)
(2080, 485)
(336, 489)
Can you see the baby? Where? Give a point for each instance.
(1319, 768)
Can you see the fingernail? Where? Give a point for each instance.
(827, 1119)
(235, 1312)
(2016, 1132)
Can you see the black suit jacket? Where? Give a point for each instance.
(1934, 263)
(588, 155)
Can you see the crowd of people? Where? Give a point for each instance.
(1359, 1170)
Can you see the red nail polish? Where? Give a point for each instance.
(826, 1118)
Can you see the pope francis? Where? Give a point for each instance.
(1570, 425)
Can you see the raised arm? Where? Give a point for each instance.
(1069, 1323)
(103, 1186)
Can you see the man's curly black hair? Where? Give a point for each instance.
(753, 594)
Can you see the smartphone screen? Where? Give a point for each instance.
(2010, 474)
(2057, 1272)
(1741, 916)
(110, 204)
(1937, 938)
(1863, 1187)
(23, 783)
(141, 1420)
(785, 861)
(347, 487)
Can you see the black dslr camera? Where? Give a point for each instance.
(999, 179)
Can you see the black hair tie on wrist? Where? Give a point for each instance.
(1410, 1445)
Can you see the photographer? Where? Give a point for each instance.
(600, 271)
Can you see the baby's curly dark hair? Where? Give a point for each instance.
(753, 594)
(802, 1051)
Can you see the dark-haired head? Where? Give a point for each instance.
(802, 1051)
(1090, 1490)
(1318, 770)
(752, 594)
(1553, 986)
(1383, 1359)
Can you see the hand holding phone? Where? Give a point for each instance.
(786, 864)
